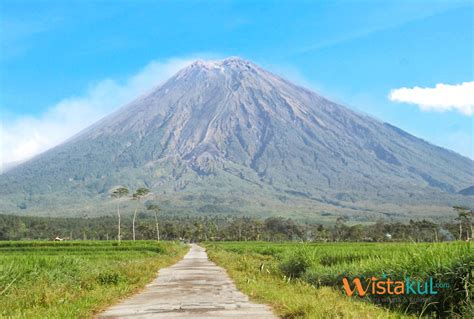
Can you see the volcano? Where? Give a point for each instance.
(228, 137)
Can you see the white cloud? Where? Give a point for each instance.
(27, 136)
(441, 98)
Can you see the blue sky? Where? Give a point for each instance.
(60, 57)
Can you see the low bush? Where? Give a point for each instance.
(295, 264)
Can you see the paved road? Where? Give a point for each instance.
(195, 287)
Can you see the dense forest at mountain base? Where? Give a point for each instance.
(195, 229)
(302, 280)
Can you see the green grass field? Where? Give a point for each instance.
(305, 280)
(40, 279)
(76, 279)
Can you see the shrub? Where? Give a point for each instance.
(296, 264)
(108, 278)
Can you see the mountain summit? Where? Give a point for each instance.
(230, 137)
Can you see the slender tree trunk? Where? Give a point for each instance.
(157, 227)
(460, 229)
(133, 223)
(469, 226)
(118, 214)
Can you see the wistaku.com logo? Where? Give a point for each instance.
(385, 286)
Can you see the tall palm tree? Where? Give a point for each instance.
(156, 209)
(117, 194)
(139, 194)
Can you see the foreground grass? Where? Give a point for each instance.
(304, 280)
(290, 298)
(76, 279)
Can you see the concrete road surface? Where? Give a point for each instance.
(195, 287)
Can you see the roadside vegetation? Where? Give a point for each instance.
(74, 279)
(305, 280)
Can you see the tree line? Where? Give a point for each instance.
(143, 224)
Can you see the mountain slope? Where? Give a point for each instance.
(229, 137)
(467, 191)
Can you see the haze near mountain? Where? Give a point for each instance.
(227, 136)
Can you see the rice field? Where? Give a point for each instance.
(44, 279)
(75, 279)
(323, 266)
